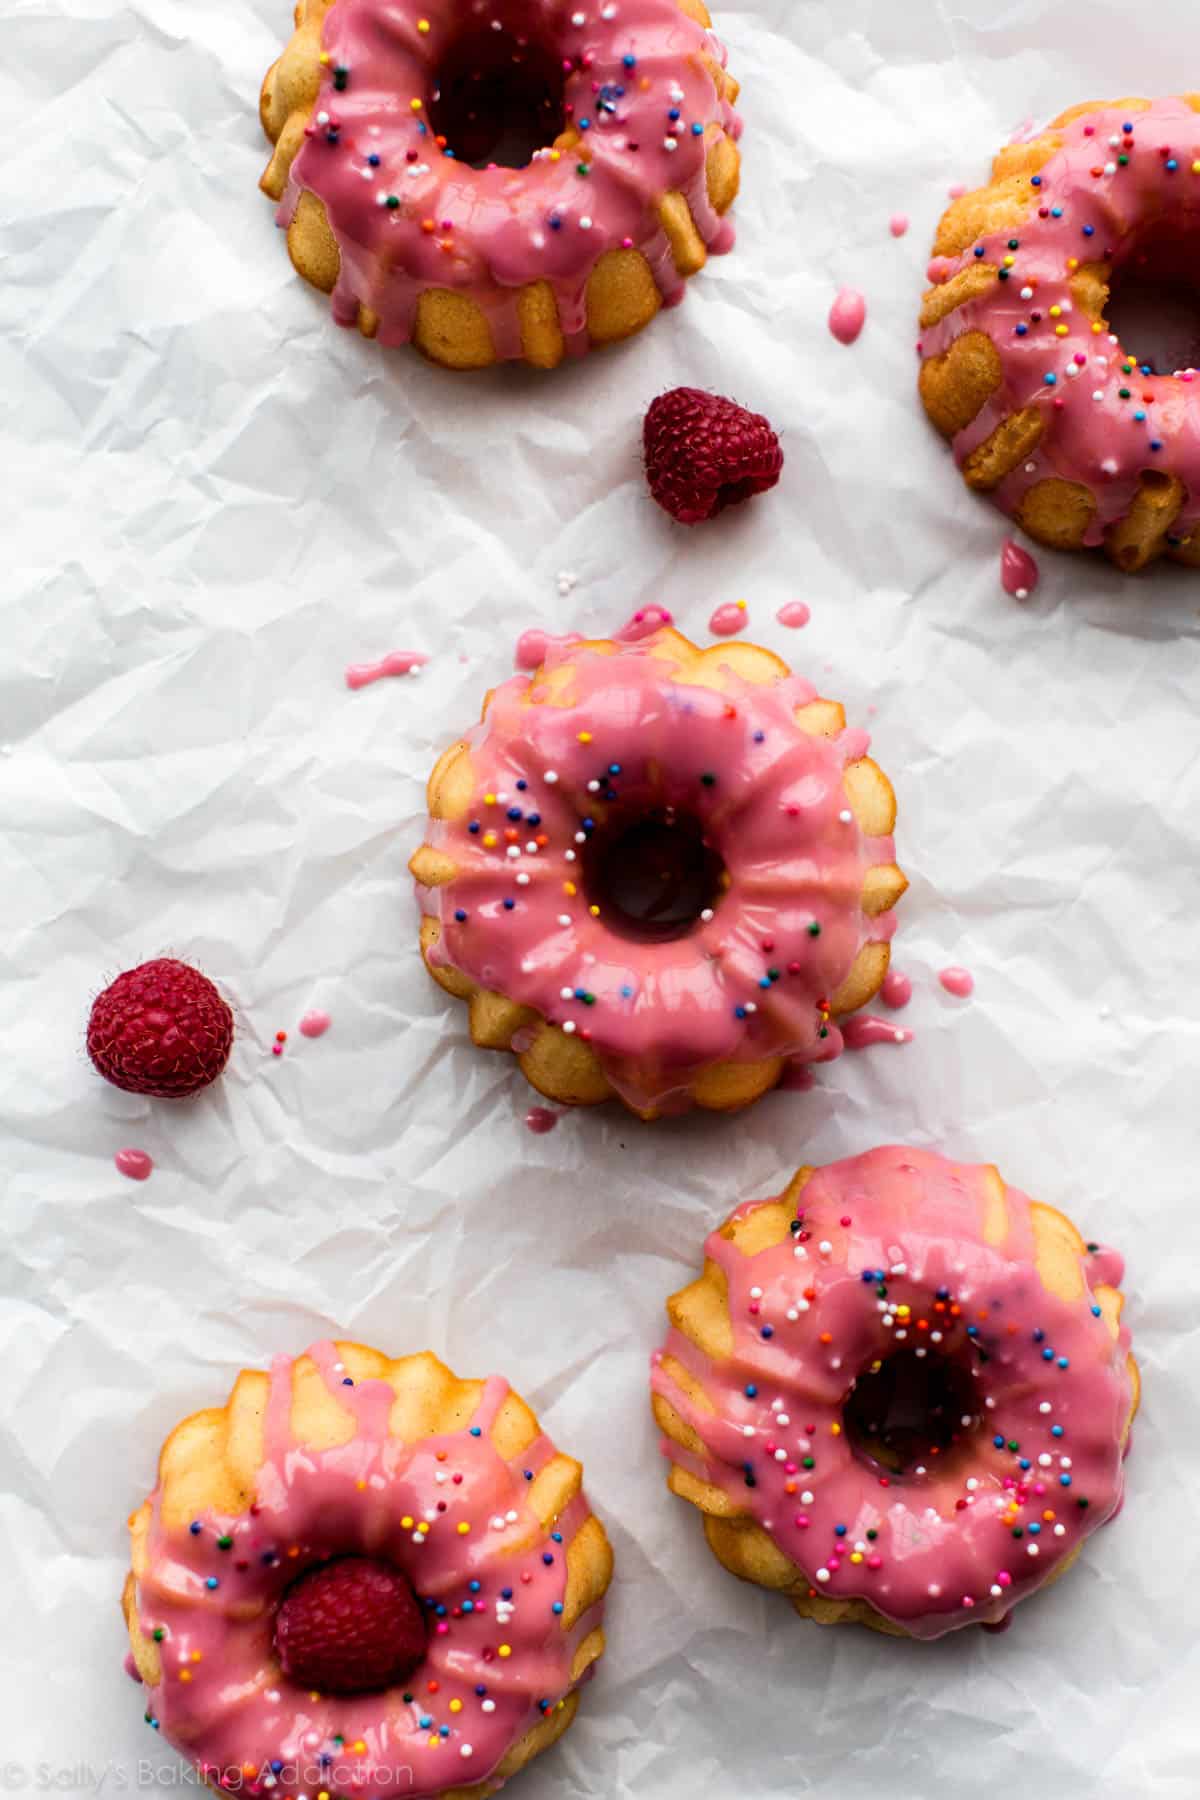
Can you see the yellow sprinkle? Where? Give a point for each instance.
(835, 1429)
(1009, 261)
(422, 26)
(196, 1655)
(595, 911)
(323, 1795)
(489, 840)
(569, 887)
(456, 1706)
(1097, 328)
(741, 606)
(506, 1650)
(359, 1747)
(406, 1523)
(489, 799)
(856, 1556)
(423, 1526)
(435, 1741)
(1072, 262)
(185, 1674)
(325, 56)
(1196, 168)
(1060, 330)
(585, 737)
(1056, 312)
(556, 156)
(360, 1485)
(416, 105)
(463, 1529)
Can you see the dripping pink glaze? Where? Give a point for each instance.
(1019, 573)
(794, 615)
(134, 1163)
(540, 1120)
(896, 991)
(848, 315)
(864, 1031)
(1097, 443)
(399, 662)
(898, 224)
(644, 623)
(942, 1557)
(774, 815)
(959, 982)
(315, 1024)
(729, 619)
(238, 1708)
(497, 221)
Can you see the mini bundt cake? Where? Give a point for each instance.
(900, 1393)
(383, 114)
(659, 872)
(1076, 437)
(363, 1576)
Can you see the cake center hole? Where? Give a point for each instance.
(652, 876)
(909, 1409)
(1154, 300)
(497, 98)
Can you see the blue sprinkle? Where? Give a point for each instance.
(627, 992)
(443, 1731)
(1039, 1336)
(506, 1593)
(468, 1606)
(697, 130)
(998, 1441)
(473, 827)
(1089, 231)
(460, 915)
(534, 819)
(1140, 416)
(373, 159)
(1155, 444)
(1050, 380)
(448, 153)
(528, 1474)
(276, 1766)
(1127, 128)
(614, 768)
(1025, 1463)
(514, 812)
(556, 1537)
(424, 1721)
(768, 1331)
(522, 784)
(1095, 1312)
(1172, 165)
(739, 1012)
(194, 1528)
(1056, 212)
(765, 982)
(979, 249)
(474, 1586)
(585, 124)
(759, 737)
(555, 222)
(867, 1275)
(476, 1431)
(840, 1530)
(480, 1689)
(674, 113)
(1064, 1481)
(440, 1611)
(751, 1391)
(212, 1582)
(1022, 331)
(1034, 1530)
(547, 1558)
(508, 905)
(1047, 1355)
(557, 1607)
(1064, 1362)
(347, 1381)
(1037, 181)
(1056, 1431)
(630, 62)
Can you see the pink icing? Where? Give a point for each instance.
(848, 315)
(399, 662)
(315, 1024)
(865, 1031)
(1019, 573)
(898, 224)
(896, 991)
(774, 810)
(1104, 422)
(237, 1713)
(959, 982)
(794, 615)
(729, 619)
(1039, 1463)
(134, 1163)
(644, 623)
(488, 232)
(540, 1120)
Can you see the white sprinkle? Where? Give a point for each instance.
(934, 1590)
(792, 1314)
(1060, 1531)
(825, 1247)
(1027, 293)
(512, 851)
(489, 1706)
(1098, 394)
(564, 918)
(1110, 466)
(1045, 1407)
(822, 1574)
(550, 777)
(706, 915)
(585, 223)
(531, 848)
(466, 1750)
(1021, 594)
(1031, 1550)
(783, 1418)
(995, 1591)
(522, 879)
(578, 19)
(670, 143)
(972, 1484)
(751, 1006)
(570, 856)
(593, 787)
(756, 1293)
(581, 837)
(935, 1337)
(368, 174)
(563, 994)
(498, 1523)
(569, 1026)
(781, 1456)
(608, 12)
(846, 816)
(806, 1498)
(322, 118)
(381, 199)
(748, 1431)
(921, 1352)
(1110, 168)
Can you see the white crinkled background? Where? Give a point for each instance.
(213, 501)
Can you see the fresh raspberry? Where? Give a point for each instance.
(704, 453)
(352, 1626)
(160, 1029)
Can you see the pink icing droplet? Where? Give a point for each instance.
(847, 315)
(957, 191)
(729, 619)
(896, 990)
(644, 623)
(134, 1163)
(1019, 573)
(540, 1120)
(315, 1024)
(530, 652)
(898, 224)
(959, 982)
(397, 662)
(864, 1031)
(794, 615)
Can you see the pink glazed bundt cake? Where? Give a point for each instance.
(659, 872)
(522, 179)
(364, 1577)
(900, 1393)
(1074, 435)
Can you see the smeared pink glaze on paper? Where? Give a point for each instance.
(1101, 422)
(956, 981)
(497, 229)
(237, 1709)
(848, 315)
(1038, 1470)
(795, 615)
(896, 991)
(1019, 572)
(775, 811)
(315, 1024)
(136, 1164)
(540, 1120)
(397, 662)
(864, 1031)
(729, 619)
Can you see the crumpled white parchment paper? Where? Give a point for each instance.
(214, 501)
